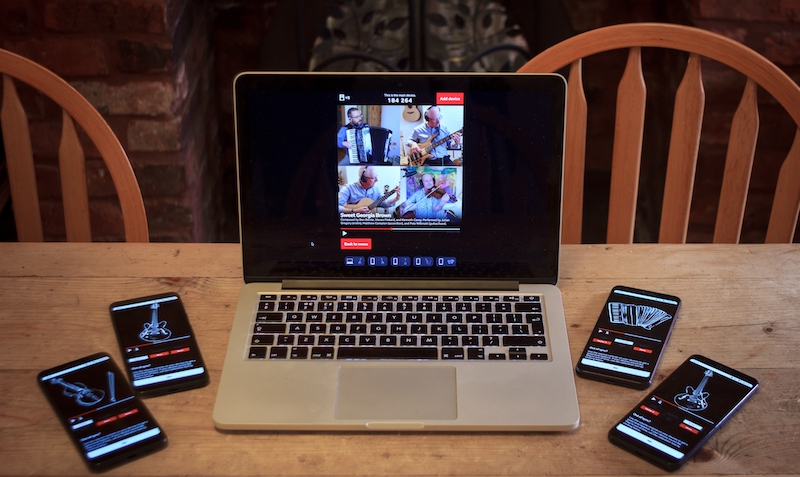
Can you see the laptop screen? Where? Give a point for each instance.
(400, 176)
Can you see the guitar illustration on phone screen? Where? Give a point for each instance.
(155, 330)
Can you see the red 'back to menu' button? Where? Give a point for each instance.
(449, 98)
(356, 244)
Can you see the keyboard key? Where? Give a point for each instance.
(299, 352)
(408, 341)
(269, 317)
(266, 306)
(277, 352)
(257, 352)
(305, 340)
(367, 340)
(519, 329)
(523, 341)
(388, 340)
(490, 340)
(539, 356)
(497, 356)
(285, 339)
(452, 353)
(499, 329)
(269, 328)
(434, 318)
(388, 353)
(469, 341)
(527, 307)
(475, 353)
(321, 353)
(347, 340)
(429, 341)
(326, 340)
(449, 340)
(262, 339)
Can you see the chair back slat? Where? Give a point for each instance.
(627, 150)
(687, 120)
(72, 163)
(19, 162)
(786, 205)
(574, 152)
(738, 165)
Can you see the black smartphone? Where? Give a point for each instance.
(629, 338)
(106, 421)
(681, 414)
(158, 346)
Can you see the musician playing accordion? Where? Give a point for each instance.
(358, 138)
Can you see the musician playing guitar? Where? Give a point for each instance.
(360, 197)
(432, 127)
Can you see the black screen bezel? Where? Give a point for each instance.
(491, 246)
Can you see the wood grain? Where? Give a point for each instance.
(739, 307)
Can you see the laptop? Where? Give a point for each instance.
(400, 246)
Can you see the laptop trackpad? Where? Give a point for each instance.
(404, 393)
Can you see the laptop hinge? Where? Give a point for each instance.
(430, 285)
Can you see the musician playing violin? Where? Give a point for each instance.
(428, 202)
(364, 187)
(433, 127)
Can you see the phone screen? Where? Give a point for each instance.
(160, 352)
(100, 412)
(679, 416)
(629, 337)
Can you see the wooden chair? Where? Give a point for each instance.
(19, 157)
(685, 136)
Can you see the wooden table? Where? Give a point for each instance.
(741, 306)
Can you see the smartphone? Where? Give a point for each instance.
(158, 346)
(681, 414)
(629, 338)
(106, 421)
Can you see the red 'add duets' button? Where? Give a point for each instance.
(449, 98)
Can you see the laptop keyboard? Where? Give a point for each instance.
(398, 327)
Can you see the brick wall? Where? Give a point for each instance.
(147, 66)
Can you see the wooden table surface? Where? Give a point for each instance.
(741, 306)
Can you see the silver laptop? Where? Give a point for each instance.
(400, 245)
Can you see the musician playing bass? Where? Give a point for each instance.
(364, 188)
(428, 202)
(432, 127)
